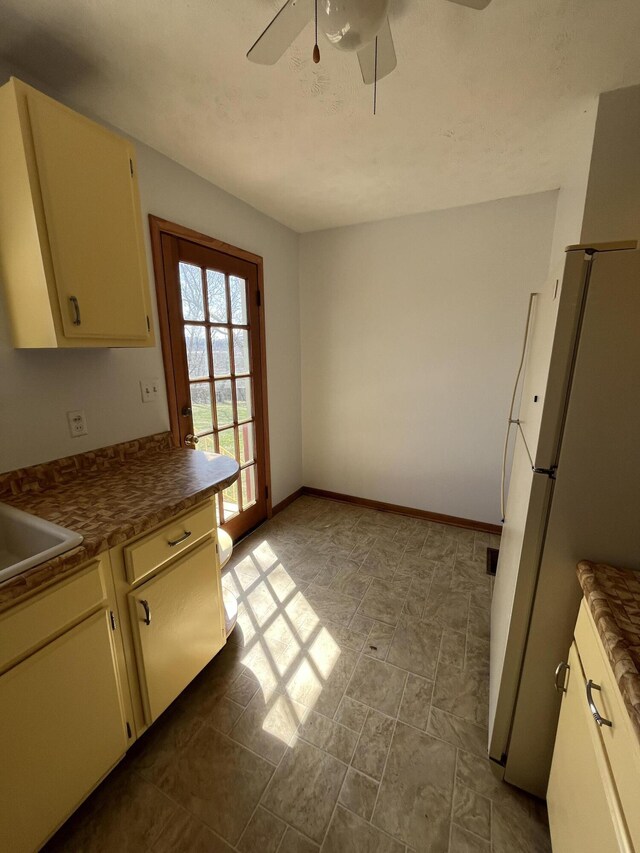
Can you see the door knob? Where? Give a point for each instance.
(191, 440)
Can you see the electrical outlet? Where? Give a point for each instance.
(149, 389)
(77, 423)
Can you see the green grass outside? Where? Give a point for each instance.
(202, 423)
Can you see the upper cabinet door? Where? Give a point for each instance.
(86, 176)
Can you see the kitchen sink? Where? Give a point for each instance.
(26, 540)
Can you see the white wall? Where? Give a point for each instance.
(37, 388)
(612, 210)
(411, 331)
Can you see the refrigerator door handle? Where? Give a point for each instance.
(511, 420)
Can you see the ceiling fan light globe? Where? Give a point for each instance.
(351, 24)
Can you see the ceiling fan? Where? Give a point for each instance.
(360, 26)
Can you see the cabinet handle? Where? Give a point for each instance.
(76, 310)
(147, 611)
(185, 535)
(560, 669)
(600, 720)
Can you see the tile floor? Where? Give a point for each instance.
(347, 713)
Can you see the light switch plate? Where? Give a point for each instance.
(77, 423)
(149, 389)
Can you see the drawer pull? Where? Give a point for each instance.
(560, 670)
(147, 611)
(180, 539)
(600, 720)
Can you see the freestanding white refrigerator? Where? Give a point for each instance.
(574, 492)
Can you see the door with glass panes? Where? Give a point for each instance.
(213, 305)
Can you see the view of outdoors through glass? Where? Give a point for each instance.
(216, 333)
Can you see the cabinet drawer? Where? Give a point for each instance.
(620, 740)
(178, 626)
(62, 730)
(157, 548)
(28, 626)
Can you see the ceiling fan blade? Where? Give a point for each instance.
(386, 56)
(281, 32)
(473, 4)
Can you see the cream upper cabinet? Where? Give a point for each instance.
(72, 258)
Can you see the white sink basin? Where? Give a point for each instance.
(26, 540)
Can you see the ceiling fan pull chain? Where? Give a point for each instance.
(316, 49)
(375, 77)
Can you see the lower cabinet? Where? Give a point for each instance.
(89, 663)
(592, 796)
(584, 811)
(178, 626)
(62, 728)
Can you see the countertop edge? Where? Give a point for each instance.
(20, 588)
(624, 666)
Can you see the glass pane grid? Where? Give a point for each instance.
(219, 358)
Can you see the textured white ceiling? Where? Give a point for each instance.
(482, 104)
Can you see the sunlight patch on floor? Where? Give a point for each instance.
(286, 648)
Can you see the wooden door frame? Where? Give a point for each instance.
(158, 227)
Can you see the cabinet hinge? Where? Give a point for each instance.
(217, 549)
(114, 624)
(148, 324)
(258, 298)
(128, 730)
(131, 166)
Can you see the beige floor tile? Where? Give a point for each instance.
(361, 624)
(331, 605)
(263, 833)
(414, 803)
(326, 734)
(267, 727)
(349, 832)
(373, 746)
(217, 780)
(461, 733)
(351, 714)
(294, 842)
(242, 690)
(464, 693)
(416, 701)
(377, 684)
(452, 648)
(479, 621)
(384, 601)
(415, 646)
(465, 842)
(305, 788)
(383, 559)
(448, 608)
(472, 811)
(185, 834)
(126, 813)
(379, 640)
(321, 676)
(359, 794)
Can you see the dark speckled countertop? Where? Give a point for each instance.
(109, 496)
(613, 596)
